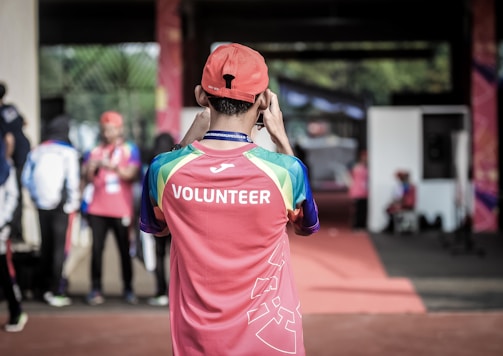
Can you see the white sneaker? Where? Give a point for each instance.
(60, 301)
(56, 300)
(48, 297)
(17, 325)
(161, 300)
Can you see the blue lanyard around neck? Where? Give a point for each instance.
(227, 136)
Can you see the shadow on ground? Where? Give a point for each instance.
(447, 277)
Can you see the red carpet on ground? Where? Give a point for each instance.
(339, 271)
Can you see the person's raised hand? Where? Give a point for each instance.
(273, 122)
(199, 127)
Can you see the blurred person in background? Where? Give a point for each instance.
(358, 191)
(12, 122)
(163, 142)
(403, 198)
(51, 175)
(8, 201)
(112, 167)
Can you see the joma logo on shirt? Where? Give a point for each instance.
(222, 167)
(222, 196)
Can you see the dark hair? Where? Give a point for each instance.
(229, 106)
(57, 129)
(163, 142)
(3, 90)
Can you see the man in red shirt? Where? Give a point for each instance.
(227, 203)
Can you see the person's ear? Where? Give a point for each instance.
(201, 97)
(264, 100)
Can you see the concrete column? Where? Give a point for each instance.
(484, 100)
(19, 70)
(19, 59)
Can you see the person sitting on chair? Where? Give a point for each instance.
(404, 198)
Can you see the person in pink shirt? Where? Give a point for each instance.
(227, 203)
(358, 191)
(111, 167)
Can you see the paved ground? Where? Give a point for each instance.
(447, 279)
(462, 292)
(147, 333)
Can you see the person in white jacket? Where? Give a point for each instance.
(8, 201)
(52, 176)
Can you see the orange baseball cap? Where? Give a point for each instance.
(235, 71)
(111, 117)
(402, 173)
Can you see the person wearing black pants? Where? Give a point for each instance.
(8, 200)
(163, 142)
(99, 227)
(162, 245)
(360, 218)
(52, 176)
(13, 123)
(54, 231)
(17, 318)
(112, 168)
(358, 191)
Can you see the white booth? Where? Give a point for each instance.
(418, 139)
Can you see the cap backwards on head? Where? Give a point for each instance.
(235, 71)
(111, 117)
